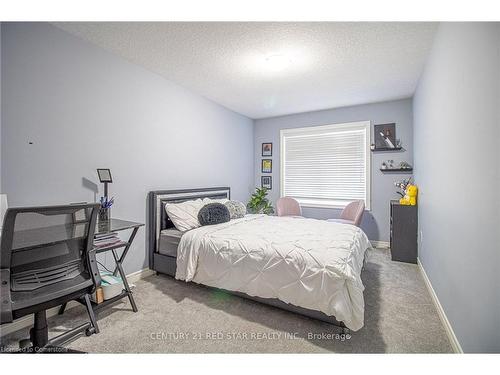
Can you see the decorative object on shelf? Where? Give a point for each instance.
(402, 185)
(405, 165)
(266, 182)
(410, 197)
(259, 204)
(385, 136)
(388, 164)
(267, 166)
(267, 149)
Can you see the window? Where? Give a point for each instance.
(326, 166)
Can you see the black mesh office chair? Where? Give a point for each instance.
(47, 259)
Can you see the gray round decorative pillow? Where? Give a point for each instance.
(213, 213)
(236, 209)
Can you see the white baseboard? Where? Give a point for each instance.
(380, 244)
(27, 320)
(457, 348)
(138, 275)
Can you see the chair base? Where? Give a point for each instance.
(39, 335)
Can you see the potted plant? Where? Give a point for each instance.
(259, 204)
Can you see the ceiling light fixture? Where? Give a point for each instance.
(277, 62)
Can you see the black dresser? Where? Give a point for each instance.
(404, 228)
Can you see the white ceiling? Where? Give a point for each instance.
(332, 64)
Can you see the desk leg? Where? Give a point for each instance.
(124, 278)
(125, 251)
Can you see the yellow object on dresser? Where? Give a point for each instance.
(410, 198)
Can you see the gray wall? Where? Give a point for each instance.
(84, 108)
(456, 134)
(375, 222)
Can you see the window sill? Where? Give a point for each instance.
(326, 206)
(322, 205)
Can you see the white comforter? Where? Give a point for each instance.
(309, 263)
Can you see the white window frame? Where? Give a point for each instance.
(358, 125)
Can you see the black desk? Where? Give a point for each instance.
(116, 225)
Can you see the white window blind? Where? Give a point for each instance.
(326, 165)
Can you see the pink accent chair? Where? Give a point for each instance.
(288, 206)
(352, 213)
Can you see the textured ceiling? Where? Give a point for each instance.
(332, 64)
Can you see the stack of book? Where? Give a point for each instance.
(106, 239)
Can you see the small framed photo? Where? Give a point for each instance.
(267, 166)
(266, 182)
(267, 149)
(104, 175)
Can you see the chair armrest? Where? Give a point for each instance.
(94, 270)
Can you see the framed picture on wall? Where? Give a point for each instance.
(267, 166)
(385, 136)
(267, 149)
(266, 182)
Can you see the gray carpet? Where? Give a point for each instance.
(175, 317)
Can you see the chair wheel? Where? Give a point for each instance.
(346, 331)
(89, 331)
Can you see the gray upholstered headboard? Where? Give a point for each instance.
(158, 218)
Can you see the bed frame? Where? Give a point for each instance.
(158, 220)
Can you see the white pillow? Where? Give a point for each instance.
(210, 200)
(185, 215)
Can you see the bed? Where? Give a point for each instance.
(307, 266)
